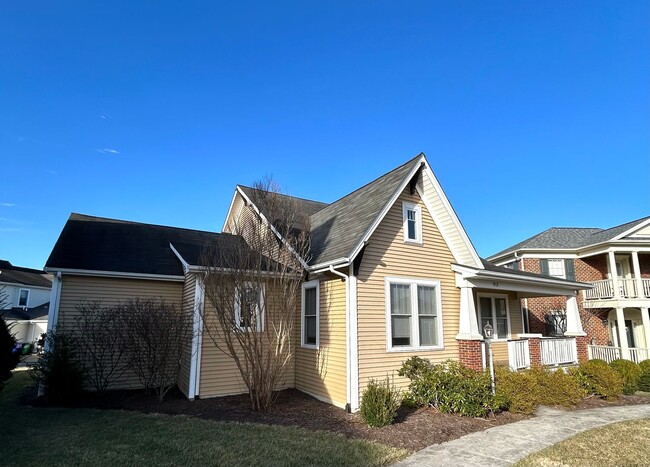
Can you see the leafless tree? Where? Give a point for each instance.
(104, 352)
(156, 333)
(252, 282)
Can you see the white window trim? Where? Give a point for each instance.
(418, 222)
(561, 261)
(26, 305)
(261, 309)
(415, 327)
(494, 319)
(310, 285)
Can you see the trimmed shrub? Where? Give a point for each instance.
(59, 370)
(518, 390)
(450, 387)
(598, 378)
(644, 377)
(556, 387)
(629, 372)
(8, 358)
(379, 403)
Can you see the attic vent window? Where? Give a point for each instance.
(412, 223)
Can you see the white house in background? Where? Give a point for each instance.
(24, 300)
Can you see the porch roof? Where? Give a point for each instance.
(525, 284)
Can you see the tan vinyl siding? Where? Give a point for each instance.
(219, 374)
(110, 291)
(457, 244)
(388, 255)
(188, 303)
(322, 372)
(237, 206)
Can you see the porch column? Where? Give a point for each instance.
(573, 321)
(637, 275)
(622, 335)
(614, 274)
(468, 326)
(645, 318)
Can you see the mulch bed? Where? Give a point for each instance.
(413, 429)
(596, 402)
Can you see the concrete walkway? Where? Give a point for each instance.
(504, 445)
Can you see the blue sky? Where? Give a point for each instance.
(532, 114)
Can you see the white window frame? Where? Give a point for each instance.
(556, 261)
(415, 321)
(310, 285)
(406, 207)
(260, 309)
(493, 323)
(26, 305)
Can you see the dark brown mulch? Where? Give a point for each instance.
(413, 429)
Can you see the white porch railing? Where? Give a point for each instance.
(559, 351)
(646, 287)
(638, 354)
(518, 354)
(627, 288)
(602, 289)
(603, 352)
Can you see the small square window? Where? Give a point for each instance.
(556, 268)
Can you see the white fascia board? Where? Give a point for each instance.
(232, 203)
(117, 275)
(185, 264)
(273, 229)
(470, 273)
(384, 211)
(322, 267)
(452, 214)
(632, 230)
(561, 255)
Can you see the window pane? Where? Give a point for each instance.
(400, 299)
(22, 300)
(556, 267)
(485, 304)
(500, 304)
(310, 301)
(427, 300)
(401, 332)
(502, 328)
(428, 335)
(310, 330)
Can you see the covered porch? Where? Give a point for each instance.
(629, 334)
(493, 296)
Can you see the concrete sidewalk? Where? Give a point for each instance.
(506, 444)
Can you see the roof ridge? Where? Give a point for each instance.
(85, 217)
(410, 161)
(639, 220)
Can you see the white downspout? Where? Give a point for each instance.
(350, 349)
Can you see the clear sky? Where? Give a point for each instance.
(532, 113)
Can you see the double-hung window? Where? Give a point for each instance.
(23, 297)
(412, 222)
(310, 311)
(413, 314)
(493, 309)
(249, 306)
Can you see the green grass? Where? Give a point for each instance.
(625, 443)
(60, 436)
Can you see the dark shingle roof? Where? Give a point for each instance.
(337, 229)
(23, 276)
(101, 244)
(37, 312)
(569, 238)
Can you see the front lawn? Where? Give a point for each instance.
(625, 443)
(61, 436)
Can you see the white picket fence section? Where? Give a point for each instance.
(638, 354)
(518, 354)
(559, 351)
(603, 352)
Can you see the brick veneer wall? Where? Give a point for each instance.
(587, 269)
(470, 354)
(644, 265)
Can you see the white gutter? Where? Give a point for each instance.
(469, 272)
(351, 364)
(117, 274)
(321, 267)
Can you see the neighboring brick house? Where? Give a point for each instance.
(616, 261)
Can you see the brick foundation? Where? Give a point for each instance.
(581, 345)
(470, 354)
